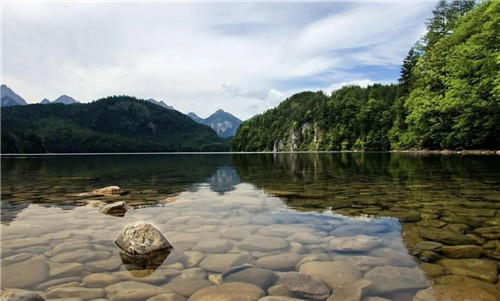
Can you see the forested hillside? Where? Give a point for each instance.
(113, 124)
(448, 97)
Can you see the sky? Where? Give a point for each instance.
(242, 57)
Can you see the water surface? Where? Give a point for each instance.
(389, 225)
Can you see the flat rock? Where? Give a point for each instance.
(468, 282)
(222, 262)
(389, 278)
(263, 243)
(334, 274)
(20, 295)
(305, 238)
(229, 292)
(432, 270)
(133, 291)
(192, 258)
(279, 262)
(55, 282)
(426, 245)
(79, 256)
(364, 263)
(99, 280)
(213, 245)
(395, 256)
(58, 270)
(485, 270)
(446, 237)
(350, 292)
(116, 208)
(304, 286)
(167, 297)
(464, 251)
(279, 298)
(357, 243)
(239, 232)
(193, 273)
(187, 287)
(109, 190)
(260, 277)
(142, 239)
(453, 292)
(26, 274)
(107, 265)
(76, 291)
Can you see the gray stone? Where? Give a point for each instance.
(193, 273)
(55, 282)
(239, 232)
(20, 295)
(213, 245)
(167, 297)
(99, 280)
(26, 274)
(109, 190)
(79, 256)
(388, 279)
(187, 287)
(222, 262)
(263, 243)
(335, 274)
(193, 258)
(261, 277)
(75, 291)
(229, 292)
(107, 265)
(279, 262)
(357, 243)
(397, 257)
(58, 270)
(142, 239)
(133, 291)
(116, 208)
(279, 290)
(350, 292)
(304, 286)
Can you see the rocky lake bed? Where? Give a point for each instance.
(238, 235)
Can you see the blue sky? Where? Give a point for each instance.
(198, 56)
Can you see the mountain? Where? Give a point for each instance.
(64, 99)
(10, 98)
(160, 103)
(112, 124)
(195, 117)
(223, 123)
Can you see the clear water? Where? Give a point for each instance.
(253, 206)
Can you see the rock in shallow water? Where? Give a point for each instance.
(261, 277)
(110, 190)
(388, 279)
(228, 292)
(446, 237)
(304, 286)
(20, 295)
(115, 209)
(142, 239)
(26, 274)
(485, 270)
(357, 243)
(335, 274)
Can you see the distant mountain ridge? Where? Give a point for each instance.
(112, 124)
(10, 98)
(223, 123)
(160, 103)
(64, 99)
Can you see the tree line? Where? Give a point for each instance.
(447, 97)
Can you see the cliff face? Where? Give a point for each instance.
(306, 137)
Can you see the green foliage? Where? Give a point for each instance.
(455, 102)
(351, 118)
(113, 124)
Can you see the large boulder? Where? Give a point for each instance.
(142, 239)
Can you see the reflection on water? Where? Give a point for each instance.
(381, 225)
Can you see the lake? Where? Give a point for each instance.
(310, 226)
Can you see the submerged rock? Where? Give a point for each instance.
(115, 209)
(228, 292)
(304, 286)
(261, 277)
(335, 274)
(20, 295)
(485, 270)
(357, 243)
(464, 251)
(446, 237)
(110, 190)
(389, 278)
(142, 239)
(25, 274)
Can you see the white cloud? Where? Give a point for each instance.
(183, 53)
